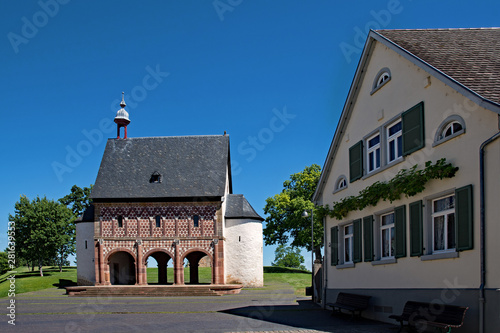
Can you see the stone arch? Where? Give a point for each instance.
(162, 257)
(194, 256)
(121, 266)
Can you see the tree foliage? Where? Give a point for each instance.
(78, 200)
(286, 256)
(42, 227)
(4, 263)
(284, 222)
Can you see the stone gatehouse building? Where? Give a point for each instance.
(171, 199)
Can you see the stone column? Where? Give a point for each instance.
(141, 277)
(178, 269)
(218, 263)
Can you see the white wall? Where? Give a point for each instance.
(85, 256)
(243, 258)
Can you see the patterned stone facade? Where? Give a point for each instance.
(167, 231)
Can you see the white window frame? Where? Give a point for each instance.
(445, 214)
(374, 149)
(439, 137)
(348, 243)
(394, 138)
(392, 233)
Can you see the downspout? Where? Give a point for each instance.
(482, 230)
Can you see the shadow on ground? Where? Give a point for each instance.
(307, 315)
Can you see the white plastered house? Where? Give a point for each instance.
(418, 96)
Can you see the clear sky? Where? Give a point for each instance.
(273, 74)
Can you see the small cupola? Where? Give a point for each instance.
(122, 119)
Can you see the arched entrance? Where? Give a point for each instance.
(194, 259)
(121, 268)
(162, 258)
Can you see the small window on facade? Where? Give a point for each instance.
(387, 240)
(341, 184)
(348, 243)
(394, 141)
(451, 128)
(196, 221)
(120, 221)
(155, 178)
(443, 224)
(85, 244)
(158, 221)
(373, 153)
(382, 77)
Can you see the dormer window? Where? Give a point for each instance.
(382, 77)
(155, 178)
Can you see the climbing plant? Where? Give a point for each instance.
(407, 181)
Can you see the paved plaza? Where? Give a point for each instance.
(274, 308)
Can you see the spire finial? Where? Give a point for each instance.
(122, 104)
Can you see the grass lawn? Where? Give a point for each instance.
(31, 281)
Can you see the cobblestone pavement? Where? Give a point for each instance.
(274, 308)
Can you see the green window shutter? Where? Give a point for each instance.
(400, 231)
(356, 161)
(416, 229)
(413, 129)
(464, 218)
(368, 237)
(356, 256)
(334, 245)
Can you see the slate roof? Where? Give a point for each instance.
(237, 207)
(190, 166)
(87, 216)
(469, 56)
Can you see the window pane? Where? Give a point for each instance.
(451, 231)
(371, 165)
(388, 219)
(439, 233)
(394, 129)
(393, 241)
(444, 204)
(349, 229)
(377, 154)
(392, 150)
(400, 146)
(347, 248)
(374, 141)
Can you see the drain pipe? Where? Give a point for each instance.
(482, 230)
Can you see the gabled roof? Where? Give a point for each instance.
(469, 56)
(467, 60)
(188, 166)
(237, 207)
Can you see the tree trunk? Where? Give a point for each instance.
(40, 266)
(317, 253)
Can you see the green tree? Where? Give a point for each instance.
(286, 256)
(285, 222)
(4, 263)
(78, 200)
(40, 226)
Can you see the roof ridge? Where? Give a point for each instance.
(439, 29)
(173, 136)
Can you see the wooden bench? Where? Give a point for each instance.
(350, 302)
(425, 316)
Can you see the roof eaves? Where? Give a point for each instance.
(448, 80)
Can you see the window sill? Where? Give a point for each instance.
(383, 168)
(384, 261)
(448, 138)
(339, 189)
(436, 256)
(348, 265)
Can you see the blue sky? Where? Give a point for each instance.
(273, 74)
